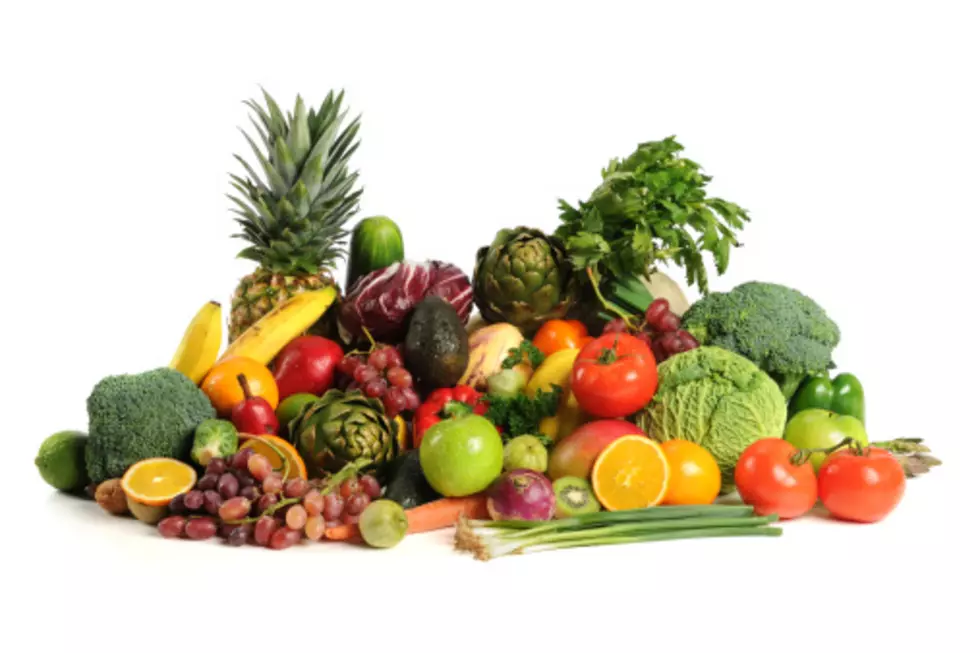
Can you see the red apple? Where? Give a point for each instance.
(306, 365)
(575, 454)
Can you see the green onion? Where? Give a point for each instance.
(619, 516)
(488, 539)
(630, 294)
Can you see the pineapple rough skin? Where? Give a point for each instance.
(137, 416)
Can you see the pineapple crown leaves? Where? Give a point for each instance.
(293, 214)
(651, 207)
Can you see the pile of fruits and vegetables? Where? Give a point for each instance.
(564, 394)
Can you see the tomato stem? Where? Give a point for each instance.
(802, 456)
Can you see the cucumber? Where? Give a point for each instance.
(376, 243)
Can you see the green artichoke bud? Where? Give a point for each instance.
(523, 277)
(342, 427)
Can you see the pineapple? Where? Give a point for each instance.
(293, 215)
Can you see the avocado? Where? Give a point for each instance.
(436, 347)
(406, 483)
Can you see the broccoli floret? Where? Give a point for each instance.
(784, 332)
(137, 416)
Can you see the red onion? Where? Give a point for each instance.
(521, 494)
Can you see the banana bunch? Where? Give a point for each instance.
(199, 348)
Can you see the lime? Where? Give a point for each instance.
(61, 461)
(383, 524)
(292, 406)
(461, 456)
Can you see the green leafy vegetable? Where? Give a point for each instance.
(517, 355)
(650, 207)
(522, 415)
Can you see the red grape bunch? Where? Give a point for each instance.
(661, 331)
(242, 499)
(381, 374)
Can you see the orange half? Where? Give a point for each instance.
(632, 472)
(155, 481)
(280, 453)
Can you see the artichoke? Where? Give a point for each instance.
(342, 427)
(523, 277)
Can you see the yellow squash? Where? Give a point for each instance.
(557, 370)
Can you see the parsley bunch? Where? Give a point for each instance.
(650, 207)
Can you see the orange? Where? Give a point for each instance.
(222, 387)
(155, 481)
(277, 451)
(695, 478)
(632, 472)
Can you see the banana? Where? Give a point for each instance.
(198, 350)
(265, 339)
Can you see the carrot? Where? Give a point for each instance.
(343, 533)
(441, 513)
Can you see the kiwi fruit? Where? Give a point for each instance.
(573, 496)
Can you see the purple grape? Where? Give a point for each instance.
(240, 459)
(245, 479)
(228, 485)
(172, 527)
(688, 341)
(212, 501)
(265, 502)
(216, 466)
(238, 536)
(208, 482)
(251, 493)
(177, 506)
(193, 500)
(200, 528)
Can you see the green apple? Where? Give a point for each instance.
(461, 456)
(816, 428)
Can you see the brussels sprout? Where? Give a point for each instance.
(214, 438)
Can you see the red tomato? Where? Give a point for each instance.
(861, 486)
(769, 481)
(556, 335)
(615, 375)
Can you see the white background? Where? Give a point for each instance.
(848, 130)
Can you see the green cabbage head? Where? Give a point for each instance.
(717, 399)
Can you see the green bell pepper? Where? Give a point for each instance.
(843, 395)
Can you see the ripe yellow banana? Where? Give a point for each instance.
(198, 350)
(265, 339)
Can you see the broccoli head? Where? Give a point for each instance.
(784, 332)
(137, 416)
